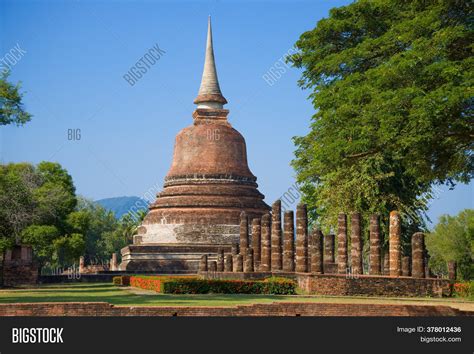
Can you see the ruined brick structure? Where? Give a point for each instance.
(18, 266)
(418, 255)
(356, 244)
(288, 241)
(266, 263)
(375, 261)
(301, 239)
(316, 251)
(276, 236)
(395, 234)
(207, 187)
(342, 263)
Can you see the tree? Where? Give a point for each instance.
(11, 106)
(124, 232)
(94, 223)
(453, 240)
(391, 83)
(68, 249)
(41, 238)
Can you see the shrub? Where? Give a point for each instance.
(222, 286)
(123, 280)
(464, 289)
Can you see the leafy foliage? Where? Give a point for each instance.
(453, 240)
(38, 206)
(391, 82)
(11, 106)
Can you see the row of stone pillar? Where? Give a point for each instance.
(273, 248)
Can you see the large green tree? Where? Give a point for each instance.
(391, 82)
(453, 240)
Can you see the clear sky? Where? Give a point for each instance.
(71, 59)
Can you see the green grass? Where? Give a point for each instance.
(104, 292)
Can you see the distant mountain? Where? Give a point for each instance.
(122, 205)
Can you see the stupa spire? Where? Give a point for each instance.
(210, 95)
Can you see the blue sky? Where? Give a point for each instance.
(76, 53)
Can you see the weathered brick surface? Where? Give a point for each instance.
(220, 260)
(228, 264)
(235, 249)
(339, 284)
(316, 251)
(386, 263)
(256, 241)
(406, 271)
(248, 261)
(101, 309)
(266, 256)
(452, 270)
(289, 242)
(395, 233)
(203, 263)
(375, 261)
(356, 244)
(276, 236)
(244, 232)
(418, 255)
(18, 267)
(238, 263)
(342, 263)
(301, 239)
(329, 245)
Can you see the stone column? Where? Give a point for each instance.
(427, 266)
(220, 260)
(113, 262)
(266, 256)
(342, 244)
(386, 263)
(203, 263)
(356, 244)
(288, 242)
(248, 262)
(395, 232)
(239, 263)
(329, 244)
(213, 266)
(301, 238)
(256, 242)
(418, 255)
(316, 251)
(276, 236)
(452, 270)
(228, 266)
(81, 264)
(406, 266)
(375, 267)
(235, 249)
(244, 232)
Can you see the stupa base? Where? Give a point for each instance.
(168, 258)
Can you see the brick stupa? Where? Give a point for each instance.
(207, 187)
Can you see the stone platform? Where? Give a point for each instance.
(168, 258)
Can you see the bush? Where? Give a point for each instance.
(193, 285)
(464, 289)
(123, 280)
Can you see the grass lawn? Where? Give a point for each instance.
(105, 292)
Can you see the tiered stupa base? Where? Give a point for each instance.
(168, 258)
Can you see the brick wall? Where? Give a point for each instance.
(272, 309)
(333, 284)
